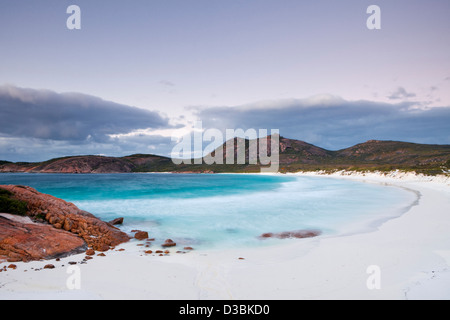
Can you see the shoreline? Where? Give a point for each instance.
(412, 251)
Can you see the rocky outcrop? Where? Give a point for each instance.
(23, 240)
(62, 215)
(116, 221)
(299, 234)
(169, 243)
(141, 235)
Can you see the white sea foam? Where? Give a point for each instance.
(329, 205)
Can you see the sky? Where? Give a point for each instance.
(139, 72)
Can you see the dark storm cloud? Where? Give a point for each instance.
(73, 117)
(335, 123)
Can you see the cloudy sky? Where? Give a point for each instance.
(138, 72)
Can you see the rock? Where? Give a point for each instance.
(102, 247)
(101, 255)
(305, 234)
(66, 217)
(90, 252)
(141, 235)
(169, 243)
(188, 248)
(149, 252)
(49, 266)
(116, 221)
(158, 251)
(283, 235)
(12, 266)
(299, 234)
(28, 241)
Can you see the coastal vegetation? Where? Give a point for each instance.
(10, 205)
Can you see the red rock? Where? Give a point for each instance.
(116, 221)
(90, 252)
(49, 266)
(283, 235)
(299, 234)
(65, 216)
(267, 235)
(21, 241)
(149, 252)
(101, 255)
(141, 235)
(169, 243)
(12, 266)
(305, 234)
(102, 247)
(158, 251)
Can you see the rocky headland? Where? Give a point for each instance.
(51, 227)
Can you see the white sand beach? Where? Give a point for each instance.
(411, 252)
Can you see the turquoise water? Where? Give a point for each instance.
(223, 211)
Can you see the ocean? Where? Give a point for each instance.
(220, 211)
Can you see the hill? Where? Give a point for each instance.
(294, 155)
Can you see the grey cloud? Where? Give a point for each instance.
(167, 83)
(401, 93)
(49, 115)
(336, 123)
(143, 143)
